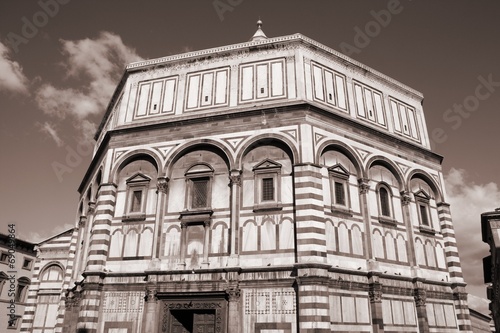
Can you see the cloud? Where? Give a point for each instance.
(49, 129)
(36, 237)
(468, 200)
(12, 77)
(95, 67)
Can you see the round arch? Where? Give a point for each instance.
(344, 149)
(213, 145)
(133, 156)
(387, 163)
(426, 177)
(270, 139)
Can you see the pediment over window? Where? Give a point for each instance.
(339, 170)
(138, 178)
(199, 168)
(267, 164)
(421, 194)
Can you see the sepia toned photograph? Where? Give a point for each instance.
(250, 166)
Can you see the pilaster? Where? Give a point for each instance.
(309, 214)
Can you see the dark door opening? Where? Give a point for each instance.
(192, 321)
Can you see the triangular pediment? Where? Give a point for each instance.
(338, 168)
(138, 177)
(422, 194)
(267, 164)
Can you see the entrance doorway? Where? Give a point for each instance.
(192, 321)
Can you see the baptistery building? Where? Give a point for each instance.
(271, 186)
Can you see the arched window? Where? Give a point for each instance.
(22, 288)
(385, 201)
(51, 274)
(385, 208)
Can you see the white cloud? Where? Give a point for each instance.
(468, 200)
(49, 129)
(36, 237)
(12, 77)
(95, 66)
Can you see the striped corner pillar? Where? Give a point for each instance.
(96, 261)
(31, 298)
(309, 214)
(454, 267)
(312, 270)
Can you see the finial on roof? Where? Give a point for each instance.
(259, 34)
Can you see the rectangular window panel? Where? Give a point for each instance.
(136, 201)
(193, 89)
(339, 84)
(335, 309)
(199, 193)
(143, 99)
(330, 90)
(360, 105)
(318, 83)
(40, 314)
(277, 79)
(424, 214)
(413, 123)
(404, 119)
(168, 98)
(154, 107)
(262, 86)
(395, 116)
(247, 83)
(339, 194)
(267, 189)
(348, 313)
(206, 90)
(369, 105)
(409, 309)
(221, 87)
(379, 109)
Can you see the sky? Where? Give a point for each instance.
(60, 61)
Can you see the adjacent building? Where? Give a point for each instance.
(490, 229)
(275, 185)
(17, 259)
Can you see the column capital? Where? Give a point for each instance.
(235, 177)
(91, 208)
(420, 297)
(363, 185)
(405, 198)
(151, 294)
(82, 221)
(375, 293)
(233, 294)
(162, 185)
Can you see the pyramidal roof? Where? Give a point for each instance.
(259, 34)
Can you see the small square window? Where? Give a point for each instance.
(4, 257)
(12, 322)
(27, 263)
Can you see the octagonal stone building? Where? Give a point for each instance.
(275, 185)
